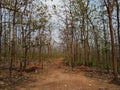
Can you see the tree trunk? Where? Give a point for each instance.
(113, 52)
(0, 27)
(113, 46)
(118, 28)
(13, 44)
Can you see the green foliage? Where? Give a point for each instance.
(44, 20)
(35, 24)
(118, 67)
(66, 62)
(107, 48)
(92, 64)
(78, 62)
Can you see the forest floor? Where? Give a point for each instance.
(55, 76)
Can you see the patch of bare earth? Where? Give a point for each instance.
(59, 78)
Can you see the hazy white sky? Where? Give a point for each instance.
(55, 19)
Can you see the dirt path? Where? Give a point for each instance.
(57, 78)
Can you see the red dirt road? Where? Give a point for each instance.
(57, 78)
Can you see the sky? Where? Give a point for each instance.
(55, 19)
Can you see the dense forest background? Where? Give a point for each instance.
(84, 32)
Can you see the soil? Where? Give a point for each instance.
(55, 76)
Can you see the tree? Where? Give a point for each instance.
(0, 26)
(13, 38)
(118, 28)
(110, 5)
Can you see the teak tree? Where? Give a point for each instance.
(110, 6)
(118, 26)
(13, 37)
(0, 26)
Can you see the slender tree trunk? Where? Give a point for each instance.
(5, 40)
(0, 27)
(13, 42)
(105, 45)
(96, 43)
(88, 51)
(25, 56)
(9, 46)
